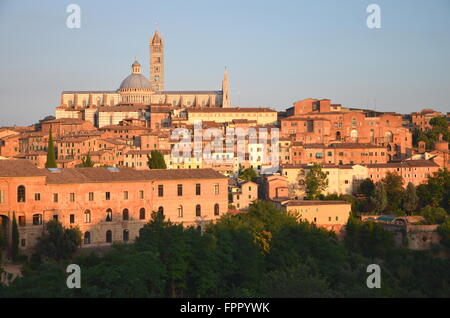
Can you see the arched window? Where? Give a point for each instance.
(109, 215)
(180, 211)
(87, 238)
(125, 215)
(388, 136)
(354, 134)
(198, 210)
(216, 209)
(126, 235)
(87, 216)
(37, 219)
(21, 193)
(161, 210)
(109, 236)
(338, 135)
(142, 214)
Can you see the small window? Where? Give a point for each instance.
(109, 236)
(216, 189)
(160, 190)
(22, 220)
(125, 214)
(216, 209)
(142, 214)
(180, 190)
(55, 217)
(37, 197)
(22, 242)
(109, 215)
(141, 194)
(37, 219)
(87, 216)
(72, 197)
(126, 235)
(180, 211)
(87, 238)
(198, 189)
(125, 195)
(198, 210)
(161, 210)
(55, 197)
(2, 196)
(21, 193)
(108, 195)
(91, 196)
(72, 218)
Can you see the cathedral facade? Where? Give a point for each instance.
(136, 94)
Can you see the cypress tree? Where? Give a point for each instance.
(411, 199)
(51, 160)
(156, 160)
(87, 163)
(15, 239)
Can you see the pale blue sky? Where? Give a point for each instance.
(277, 52)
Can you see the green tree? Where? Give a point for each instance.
(15, 239)
(411, 199)
(156, 160)
(87, 162)
(316, 181)
(51, 160)
(248, 174)
(393, 184)
(380, 198)
(433, 215)
(367, 187)
(57, 243)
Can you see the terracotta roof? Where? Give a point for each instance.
(314, 202)
(96, 175)
(121, 108)
(19, 168)
(404, 164)
(231, 110)
(124, 127)
(68, 121)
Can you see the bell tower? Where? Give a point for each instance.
(157, 62)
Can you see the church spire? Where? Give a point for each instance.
(225, 90)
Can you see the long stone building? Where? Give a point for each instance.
(107, 204)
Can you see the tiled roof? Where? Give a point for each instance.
(314, 202)
(19, 168)
(404, 164)
(96, 175)
(231, 110)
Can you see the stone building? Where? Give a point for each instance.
(421, 120)
(319, 121)
(107, 204)
(332, 215)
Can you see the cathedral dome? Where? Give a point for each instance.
(135, 80)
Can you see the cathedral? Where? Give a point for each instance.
(137, 94)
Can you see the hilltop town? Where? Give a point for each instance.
(116, 159)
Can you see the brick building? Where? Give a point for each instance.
(108, 204)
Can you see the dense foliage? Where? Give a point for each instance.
(264, 252)
(439, 126)
(248, 174)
